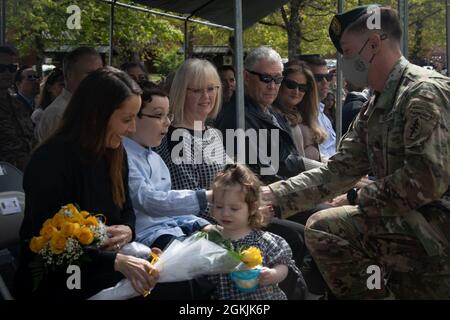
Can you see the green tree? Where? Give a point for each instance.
(36, 25)
(301, 26)
(426, 27)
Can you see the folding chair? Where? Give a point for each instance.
(12, 205)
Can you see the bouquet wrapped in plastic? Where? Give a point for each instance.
(200, 254)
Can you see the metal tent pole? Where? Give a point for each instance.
(447, 19)
(111, 32)
(403, 15)
(3, 22)
(339, 85)
(239, 65)
(186, 40)
(186, 33)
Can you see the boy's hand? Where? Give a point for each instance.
(267, 195)
(212, 227)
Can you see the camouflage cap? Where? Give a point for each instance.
(341, 21)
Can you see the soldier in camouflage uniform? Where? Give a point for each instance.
(16, 128)
(401, 222)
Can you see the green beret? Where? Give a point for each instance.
(342, 21)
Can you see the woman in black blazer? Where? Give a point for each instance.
(84, 162)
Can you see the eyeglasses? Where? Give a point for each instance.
(10, 67)
(32, 77)
(319, 77)
(291, 84)
(267, 78)
(160, 117)
(209, 90)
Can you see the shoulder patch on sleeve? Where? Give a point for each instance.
(422, 120)
(419, 112)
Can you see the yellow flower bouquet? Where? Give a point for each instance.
(63, 238)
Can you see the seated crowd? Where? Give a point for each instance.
(155, 197)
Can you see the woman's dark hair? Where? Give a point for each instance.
(128, 65)
(308, 109)
(85, 120)
(226, 68)
(46, 98)
(149, 89)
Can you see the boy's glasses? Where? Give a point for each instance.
(267, 78)
(319, 77)
(291, 84)
(10, 67)
(160, 117)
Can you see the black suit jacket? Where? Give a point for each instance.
(289, 160)
(60, 173)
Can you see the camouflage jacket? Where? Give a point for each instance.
(402, 137)
(16, 131)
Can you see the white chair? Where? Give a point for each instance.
(12, 205)
(10, 178)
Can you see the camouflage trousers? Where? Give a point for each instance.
(350, 247)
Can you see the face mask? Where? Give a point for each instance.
(356, 69)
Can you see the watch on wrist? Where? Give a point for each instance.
(352, 195)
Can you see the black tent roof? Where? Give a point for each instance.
(218, 11)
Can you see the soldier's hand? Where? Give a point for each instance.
(363, 182)
(339, 201)
(267, 195)
(267, 212)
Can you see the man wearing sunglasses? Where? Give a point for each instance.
(397, 227)
(318, 66)
(262, 80)
(27, 84)
(16, 128)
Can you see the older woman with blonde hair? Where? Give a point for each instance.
(298, 101)
(195, 96)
